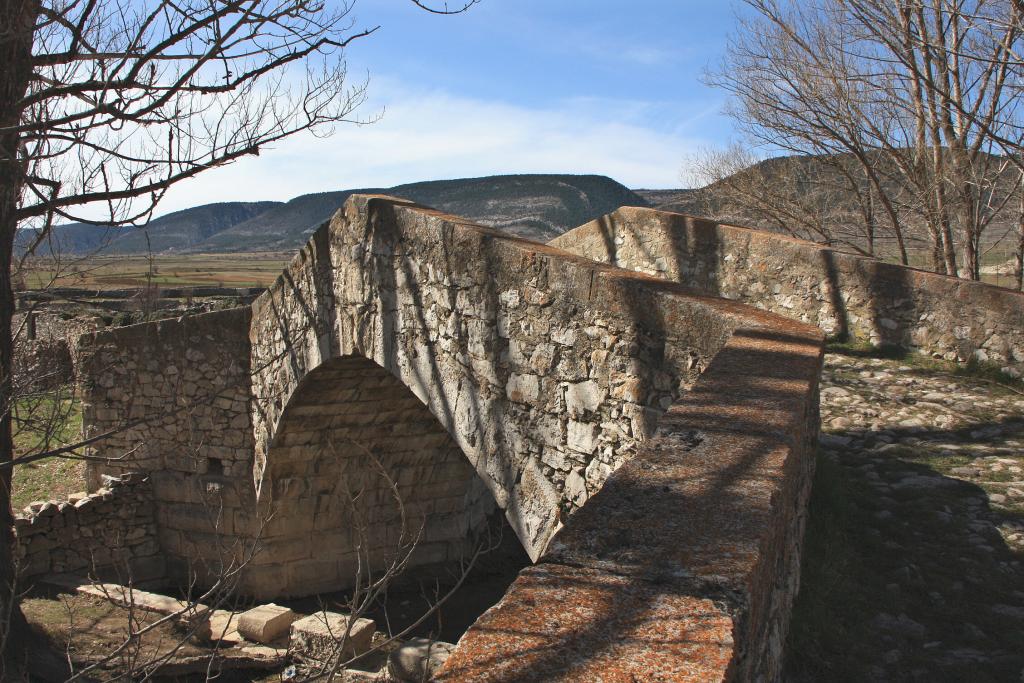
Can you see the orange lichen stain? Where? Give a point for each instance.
(562, 623)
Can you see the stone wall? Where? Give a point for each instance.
(684, 566)
(652, 449)
(42, 365)
(843, 294)
(111, 532)
(172, 398)
(46, 349)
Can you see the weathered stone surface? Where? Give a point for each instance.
(560, 623)
(576, 488)
(265, 623)
(126, 596)
(418, 659)
(221, 627)
(582, 436)
(523, 388)
(523, 378)
(584, 396)
(111, 533)
(843, 293)
(325, 636)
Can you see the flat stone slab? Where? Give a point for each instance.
(266, 623)
(319, 636)
(123, 596)
(213, 626)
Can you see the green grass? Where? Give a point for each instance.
(50, 478)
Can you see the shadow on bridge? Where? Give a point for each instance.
(652, 571)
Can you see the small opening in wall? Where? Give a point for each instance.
(214, 466)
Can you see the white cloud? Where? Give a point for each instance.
(649, 56)
(429, 134)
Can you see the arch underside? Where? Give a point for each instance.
(361, 474)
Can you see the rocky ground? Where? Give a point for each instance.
(913, 561)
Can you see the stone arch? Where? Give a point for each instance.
(360, 473)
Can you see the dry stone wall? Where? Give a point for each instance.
(111, 532)
(844, 294)
(42, 365)
(46, 349)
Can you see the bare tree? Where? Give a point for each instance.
(923, 94)
(826, 199)
(1018, 252)
(105, 105)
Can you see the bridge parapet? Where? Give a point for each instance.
(536, 365)
(846, 295)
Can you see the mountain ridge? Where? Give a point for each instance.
(535, 206)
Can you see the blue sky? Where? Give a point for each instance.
(511, 86)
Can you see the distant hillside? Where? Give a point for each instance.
(798, 194)
(184, 229)
(681, 200)
(173, 232)
(537, 207)
(73, 238)
(286, 226)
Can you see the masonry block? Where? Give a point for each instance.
(266, 623)
(324, 636)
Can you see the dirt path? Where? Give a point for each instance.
(913, 560)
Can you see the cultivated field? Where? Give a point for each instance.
(179, 270)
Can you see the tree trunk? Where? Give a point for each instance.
(931, 223)
(942, 216)
(17, 19)
(1019, 266)
(971, 266)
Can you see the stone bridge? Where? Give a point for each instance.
(410, 375)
